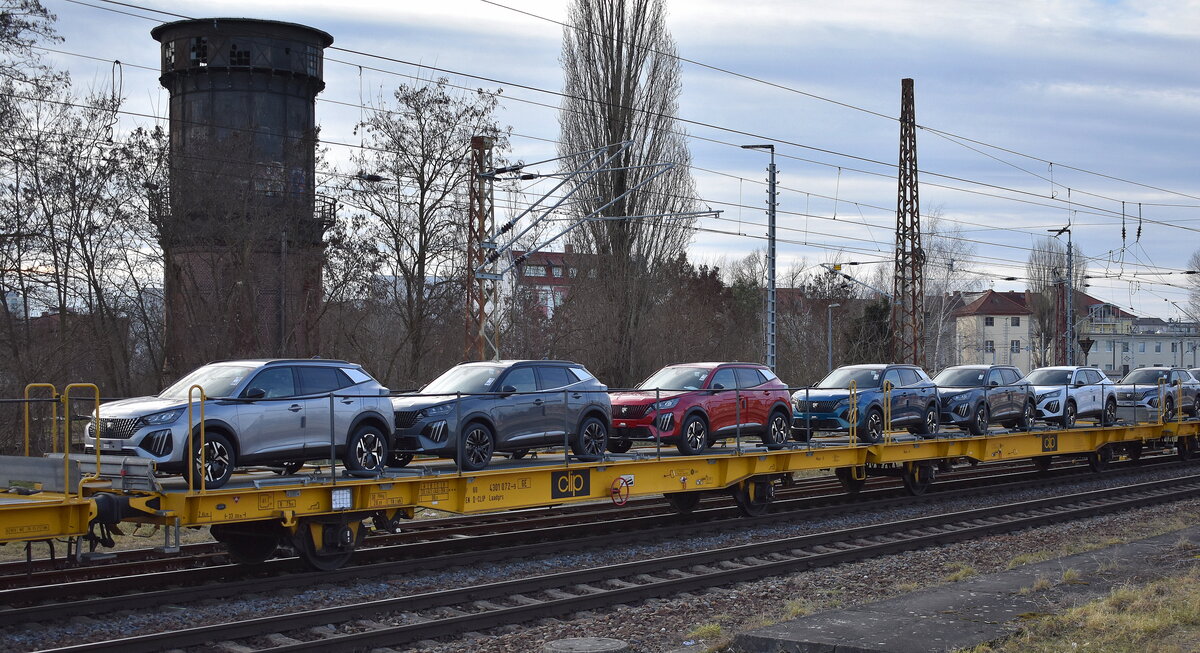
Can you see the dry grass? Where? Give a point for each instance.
(1162, 617)
(959, 571)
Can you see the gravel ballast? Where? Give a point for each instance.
(690, 621)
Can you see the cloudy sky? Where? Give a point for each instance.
(1033, 113)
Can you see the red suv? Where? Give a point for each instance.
(693, 405)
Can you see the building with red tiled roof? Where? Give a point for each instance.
(995, 328)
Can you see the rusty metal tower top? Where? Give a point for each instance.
(908, 286)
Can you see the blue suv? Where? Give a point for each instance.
(825, 407)
(474, 410)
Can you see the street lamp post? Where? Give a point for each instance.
(829, 336)
(770, 312)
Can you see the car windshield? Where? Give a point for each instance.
(676, 378)
(1049, 377)
(467, 379)
(862, 378)
(961, 378)
(217, 381)
(1146, 376)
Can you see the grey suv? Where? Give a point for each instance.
(476, 409)
(271, 412)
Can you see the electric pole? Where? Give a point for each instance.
(908, 289)
(483, 292)
(769, 329)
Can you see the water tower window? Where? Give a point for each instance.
(238, 57)
(199, 51)
(311, 57)
(169, 55)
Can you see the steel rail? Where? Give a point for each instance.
(288, 573)
(634, 581)
(16, 575)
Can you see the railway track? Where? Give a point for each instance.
(146, 591)
(211, 554)
(399, 620)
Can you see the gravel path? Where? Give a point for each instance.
(696, 622)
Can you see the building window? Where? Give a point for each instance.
(1015, 321)
(989, 321)
(989, 346)
(1172, 348)
(1141, 347)
(535, 270)
(1015, 346)
(1108, 345)
(1158, 347)
(556, 271)
(574, 272)
(1124, 347)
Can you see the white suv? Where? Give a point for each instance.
(269, 412)
(1064, 394)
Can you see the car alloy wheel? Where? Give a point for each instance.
(981, 420)
(1068, 416)
(778, 431)
(589, 444)
(477, 447)
(874, 430)
(218, 461)
(1027, 417)
(1110, 413)
(694, 437)
(369, 450)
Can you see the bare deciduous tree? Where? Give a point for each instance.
(411, 197)
(1046, 269)
(622, 84)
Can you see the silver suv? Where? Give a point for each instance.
(269, 412)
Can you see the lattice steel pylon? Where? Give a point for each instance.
(483, 292)
(908, 286)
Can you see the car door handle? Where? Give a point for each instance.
(577, 395)
(347, 401)
(294, 408)
(538, 402)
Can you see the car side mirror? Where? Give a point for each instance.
(1175, 382)
(1080, 383)
(717, 386)
(256, 393)
(994, 384)
(508, 390)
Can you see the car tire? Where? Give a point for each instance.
(620, 446)
(478, 445)
(979, 421)
(588, 444)
(1168, 409)
(366, 450)
(219, 461)
(1067, 421)
(777, 432)
(873, 428)
(1028, 414)
(693, 435)
(929, 422)
(399, 459)
(1109, 416)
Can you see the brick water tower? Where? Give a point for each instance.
(242, 225)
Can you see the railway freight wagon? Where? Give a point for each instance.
(323, 513)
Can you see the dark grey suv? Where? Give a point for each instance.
(271, 412)
(476, 409)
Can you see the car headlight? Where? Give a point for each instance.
(842, 403)
(165, 417)
(434, 411)
(962, 396)
(665, 404)
(1047, 395)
